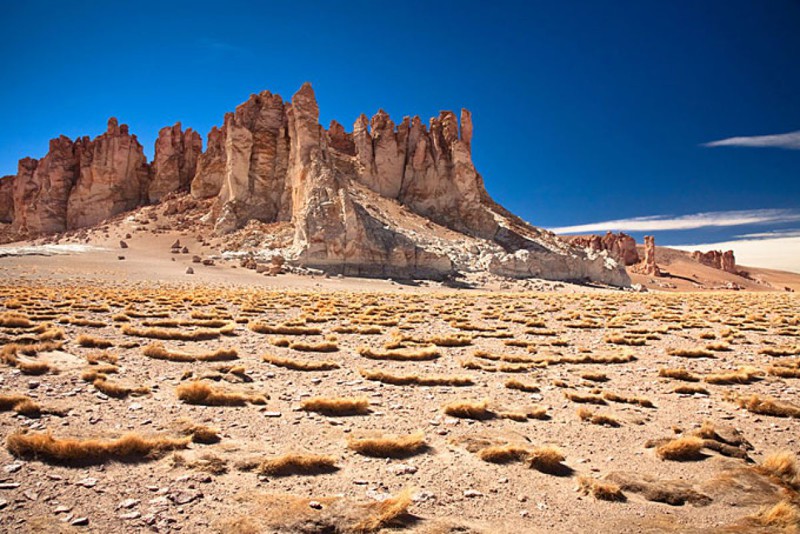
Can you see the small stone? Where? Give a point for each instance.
(272, 414)
(9, 485)
(403, 469)
(472, 493)
(31, 495)
(189, 270)
(316, 505)
(123, 244)
(87, 482)
(3, 503)
(128, 503)
(130, 515)
(79, 521)
(62, 509)
(12, 468)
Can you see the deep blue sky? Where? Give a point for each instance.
(584, 111)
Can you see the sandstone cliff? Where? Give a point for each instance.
(621, 246)
(7, 199)
(724, 261)
(383, 200)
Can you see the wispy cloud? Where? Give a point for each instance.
(789, 141)
(214, 49)
(789, 232)
(685, 222)
(771, 253)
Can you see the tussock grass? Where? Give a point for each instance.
(635, 341)
(105, 356)
(784, 372)
(504, 454)
(382, 514)
(415, 355)
(201, 334)
(304, 346)
(297, 464)
(679, 374)
(595, 377)
(585, 399)
(20, 404)
(521, 386)
(299, 365)
(415, 379)
(117, 390)
(15, 320)
(469, 409)
(337, 405)
(690, 389)
(198, 392)
(767, 406)
(547, 459)
(780, 351)
(681, 449)
(130, 447)
(600, 489)
(615, 397)
(784, 515)
(585, 414)
(199, 433)
(784, 466)
(450, 341)
(34, 368)
(390, 446)
(92, 342)
(284, 330)
(698, 352)
(157, 351)
(744, 375)
(90, 374)
(510, 358)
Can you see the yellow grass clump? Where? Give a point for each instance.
(201, 334)
(157, 351)
(92, 342)
(299, 365)
(421, 354)
(521, 386)
(283, 330)
(767, 406)
(681, 449)
(679, 374)
(744, 375)
(415, 379)
(337, 405)
(600, 489)
(304, 346)
(615, 397)
(691, 353)
(469, 409)
(198, 392)
(90, 451)
(297, 464)
(390, 446)
(597, 418)
(690, 389)
(782, 465)
(117, 390)
(585, 399)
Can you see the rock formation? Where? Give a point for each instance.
(648, 264)
(717, 259)
(385, 200)
(175, 161)
(621, 246)
(7, 199)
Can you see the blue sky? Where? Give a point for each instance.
(584, 111)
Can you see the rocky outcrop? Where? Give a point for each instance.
(175, 161)
(210, 170)
(621, 246)
(648, 264)
(717, 259)
(7, 199)
(385, 200)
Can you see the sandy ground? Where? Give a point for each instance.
(562, 333)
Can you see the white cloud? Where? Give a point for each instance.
(685, 222)
(789, 141)
(777, 253)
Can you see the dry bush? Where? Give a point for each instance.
(198, 392)
(297, 464)
(284, 330)
(595, 418)
(780, 351)
(416, 355)
(784, 372)
(586, 399)
(510, 358)
(690, 389)
(503, 454)
(117, 390)
(201, 334)
(51, 334)
(384, 513)
(615, 397)
(719, 347)
(105, 356)
(92, 342)
(15, 320)
(157, 351)
(469, 409)
(199, 433)
(784, 466)
(33, 367)
(635, 341)
(784, 515)
(450, 341)
(415, 379)
(681, 449)
(767, 406)
(206, 462)
(90, 374)
(304, 346)
(299, 365)
(600, 489)
(130, 447)
(691, 353)
(390, 446)
(521, 386)
(679, 374)
(280, 341)
(337, 405)
(744, 375)
(548, 459)
(20, 404)
(595, 377)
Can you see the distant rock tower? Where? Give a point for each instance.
(648, 264)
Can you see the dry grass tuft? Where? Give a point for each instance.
(548, 459)
(451, 341)
(744, 375)
(784, 515)
(602, 490)
(299, 365)
(297, 464)
(283, 330)
(521, 386)
(384, 513)
(503, 454)
(337, 405)
(304, 346)
(389, 446)
(691, 353)
(615, 397)
(595, 418)
(20, 404)
(117, 390)
(33, 367)
(784, 466)
(679, 374)
(130, 447)
(201, 334)
(199, 433)
(469, 409)
(691, 389)
(198, 392)
(413, 355)
(585, 399)
(92, 342)
(681, 449)
(415, 379)
(767, 406)
(595, 377)
(157, 351)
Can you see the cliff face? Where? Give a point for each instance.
(724, 261)
(7, 199)
(384, 200)
(621, 246)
